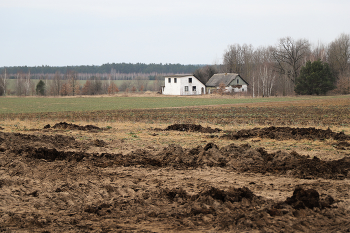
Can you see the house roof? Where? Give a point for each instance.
(183, 76)
(178, 75)
(225, 78)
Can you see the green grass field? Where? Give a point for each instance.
(59, 104)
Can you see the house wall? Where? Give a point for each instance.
(244, 88)
(238, 81)
(178, 88)
(171, 88)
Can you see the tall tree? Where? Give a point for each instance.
(290, 56)
(315, 78)
(339, 55)
(56, 84)
(3, 83)
(238, 59)
(40, 88)
(73, 82)
(20, 88)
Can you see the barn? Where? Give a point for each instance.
(232, 82)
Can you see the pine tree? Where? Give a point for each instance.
(315, 78)
(40, 88)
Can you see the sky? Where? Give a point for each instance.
(96, 32)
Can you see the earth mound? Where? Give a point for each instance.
(70, 126)
(192, 128)
(236, 157)
(285, 133)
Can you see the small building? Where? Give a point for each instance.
(233, 83)
(183, 85)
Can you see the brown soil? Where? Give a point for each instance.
(343, 145)
(50, 183)
(191, 128)
(285, 133)
(70, 126)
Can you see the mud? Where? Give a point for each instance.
(50, 183)
(70, 126)
(192, 128)
(285, 133)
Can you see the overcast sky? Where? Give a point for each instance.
(95, 32)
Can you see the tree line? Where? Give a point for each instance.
(124, 68)
(274, 70)
(70, 85)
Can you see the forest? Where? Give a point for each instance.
(125, 68)
(270, 71)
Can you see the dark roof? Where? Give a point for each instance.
(225, 78)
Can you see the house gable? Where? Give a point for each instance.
(238, 81)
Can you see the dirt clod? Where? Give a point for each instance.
(308, 198)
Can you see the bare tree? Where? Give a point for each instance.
(238, 59)
(73, 85)
(232, 59)
(205, 73)
(56, 84)
(319, 52)
(290, 56)
(339, 55)
(262, 74)
(3, 83)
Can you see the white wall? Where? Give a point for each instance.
(178, 88)
(171, 88)
(244, 88)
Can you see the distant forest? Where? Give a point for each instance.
(124, 68)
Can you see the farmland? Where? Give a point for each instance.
(191, 164)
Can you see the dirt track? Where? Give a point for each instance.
(50, 183)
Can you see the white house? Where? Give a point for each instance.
(182, 85)
(233, 83)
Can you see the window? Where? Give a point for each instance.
(237, 81)
(186, 88)
(189, 80)
(169, 80)
(175, 80)
(194, 88)
(242, 89)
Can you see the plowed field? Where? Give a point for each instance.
(190, 174)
